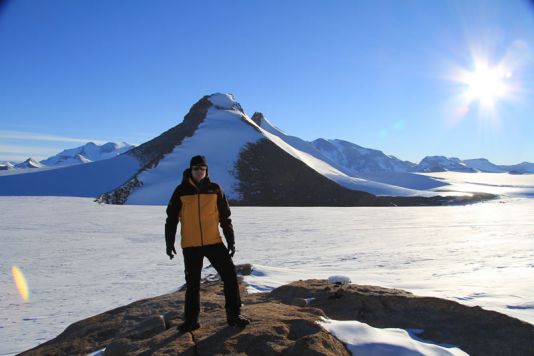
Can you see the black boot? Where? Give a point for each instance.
(234, 318)
(189, 325)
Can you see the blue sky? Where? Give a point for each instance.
(381, 74)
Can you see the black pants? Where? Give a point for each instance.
(220, 260)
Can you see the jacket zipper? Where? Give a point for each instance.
(200, 221)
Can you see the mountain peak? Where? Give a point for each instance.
(90, 152)
(258, 118)
(224, 101)
(29, 163)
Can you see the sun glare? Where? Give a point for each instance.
(490, 83)
(486, 84)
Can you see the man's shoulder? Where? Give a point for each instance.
(214, 185)
(182, 188)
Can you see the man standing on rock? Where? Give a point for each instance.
(201, 206)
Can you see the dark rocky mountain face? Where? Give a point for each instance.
(269, 176)
(153, 150)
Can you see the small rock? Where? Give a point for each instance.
(244, 269)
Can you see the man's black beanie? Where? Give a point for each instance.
(198, 161)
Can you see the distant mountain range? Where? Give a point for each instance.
(255, 162)
(90, 152)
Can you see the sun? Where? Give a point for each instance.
(486, 84)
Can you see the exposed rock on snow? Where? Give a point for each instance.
(279, 327)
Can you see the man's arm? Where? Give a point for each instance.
(171, 224)
(224, 218)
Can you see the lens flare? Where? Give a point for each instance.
(21, 283)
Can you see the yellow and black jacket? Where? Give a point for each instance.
(200, 208)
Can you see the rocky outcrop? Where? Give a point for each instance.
(473, 329)
(285, 322)
(119, 195)
(148, 327)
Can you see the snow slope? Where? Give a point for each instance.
(86, 180)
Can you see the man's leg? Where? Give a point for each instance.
(222, 262)
(193, 265)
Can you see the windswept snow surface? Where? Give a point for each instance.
(81, 258)
(220, 138)
(504, 184)
(362, 339)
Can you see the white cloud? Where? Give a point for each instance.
(25, 150)
(18, 135)
(42, 148)
(21, 153)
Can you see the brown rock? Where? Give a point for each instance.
(148, 327)
(118, 347)
(244, 269)
(473, 329)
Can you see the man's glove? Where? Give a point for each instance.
(170, 250)
(231, 250)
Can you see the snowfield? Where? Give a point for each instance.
(81, 258)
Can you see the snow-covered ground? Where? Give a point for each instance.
(363, 339)
(81, 258)
(510, 185)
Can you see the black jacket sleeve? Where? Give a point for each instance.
(224, 217)
(171, 224)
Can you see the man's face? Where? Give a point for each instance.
(198, 172)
